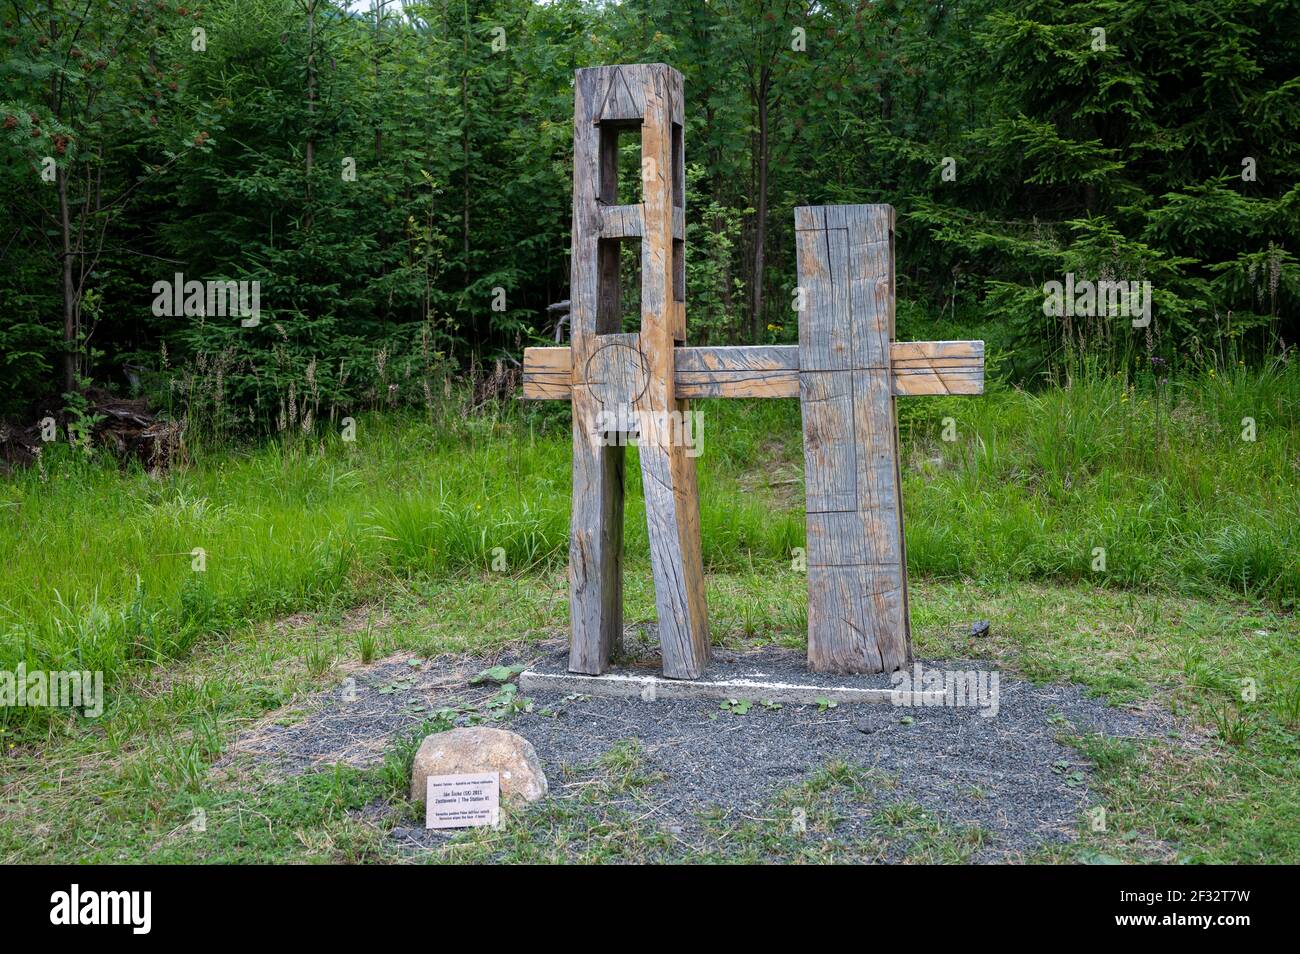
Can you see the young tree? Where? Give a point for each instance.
(86, 122)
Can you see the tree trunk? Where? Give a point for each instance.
(311, 100)
(65, 228)
(731, 329)
(464, 143)
(379, 134)
(760, 214)
(69, 290)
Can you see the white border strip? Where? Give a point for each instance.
(653, 688)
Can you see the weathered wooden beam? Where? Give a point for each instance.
(936, 367)
(672, 499)
(917, 368)
(857, 568)
(621, 221)
(760, 371)
(596, 530)
(622, 382)
(846, 370)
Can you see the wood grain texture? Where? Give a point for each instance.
(621, 221)
(616, 372)
(847, 597)
(667, 474)
(624, 95)
(857, 572)
(937, 367)
(627, 378)
(846, 370)
(596, 530)
(760, 371)
(830, 471)
(917, 368)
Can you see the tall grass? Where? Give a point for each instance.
(97, 566)
(1161, 477)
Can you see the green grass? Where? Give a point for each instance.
(1201, 532)
(97, 567)
(1158, 477)
(127, 787)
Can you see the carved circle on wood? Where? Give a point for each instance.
(618, 374)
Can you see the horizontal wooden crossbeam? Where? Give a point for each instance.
(628, 221)
(772, 371)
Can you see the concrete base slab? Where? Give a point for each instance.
(650, 688)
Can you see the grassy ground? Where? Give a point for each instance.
(98, 569)
(127, 788)
(1197, 590)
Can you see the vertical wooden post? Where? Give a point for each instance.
(667, 473)
(596, 531)
(857, 565)
(621, 378)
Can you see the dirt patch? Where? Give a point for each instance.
(356, 722)
(1006, 774)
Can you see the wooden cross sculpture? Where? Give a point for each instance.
(846, 372)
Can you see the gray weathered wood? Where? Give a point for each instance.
(847, 370)
(617, 374)
(841, 599)
(626, 383)
(772, 371)
(624, 94)
(621, 221)
(830, 471)
(596, 531)
(857, 572)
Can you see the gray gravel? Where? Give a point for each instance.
(1002, 774)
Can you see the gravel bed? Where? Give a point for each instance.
(1006, 774)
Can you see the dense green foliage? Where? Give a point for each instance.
(1017, 143)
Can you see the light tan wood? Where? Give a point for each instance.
(918, 368)
(937, 367)
(667, 471)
